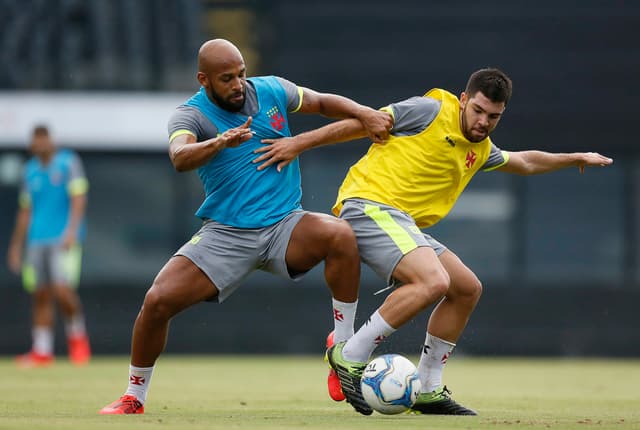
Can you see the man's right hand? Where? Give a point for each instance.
(377, 124)
(233, 137)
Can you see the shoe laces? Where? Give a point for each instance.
(445, 392)
(130, 401)
(358, 369)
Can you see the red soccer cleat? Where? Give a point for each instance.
(126, 404)
(79, 350)
(333, 382)
(33, 359)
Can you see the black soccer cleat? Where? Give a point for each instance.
(439, 402)
(350, 374)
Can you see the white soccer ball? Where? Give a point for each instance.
(390, 384)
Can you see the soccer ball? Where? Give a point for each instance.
(390, 384)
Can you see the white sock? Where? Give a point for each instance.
(344, 315)
(42, 340)
(75, 326)
(435, 353)
(139, 379)
(367, 338)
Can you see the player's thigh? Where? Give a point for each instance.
(421, 265)
(179, 284)
(463, 280)
(65, 265)
(314, 236)
(222, 254)
(387, 237)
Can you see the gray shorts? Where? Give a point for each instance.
(227, 255)
(51, 264)
(384, 234)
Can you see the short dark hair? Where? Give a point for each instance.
(493, 83)
(40, 130)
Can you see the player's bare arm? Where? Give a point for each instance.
(284, 151)
(376, 123)
(536, 162)
(188, 154)
(14, 254)
(78, 208)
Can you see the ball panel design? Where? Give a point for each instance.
(390, 384)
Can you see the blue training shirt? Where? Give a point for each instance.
(47, 191)
(236, 193)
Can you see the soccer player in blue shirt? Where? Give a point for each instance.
(50, 222)
(253, 219)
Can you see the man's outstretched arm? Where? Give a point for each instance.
(284, 151)
(536, 162)
(376, 123)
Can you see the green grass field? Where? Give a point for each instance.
(267, 392)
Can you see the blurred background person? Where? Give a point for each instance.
(46, 247)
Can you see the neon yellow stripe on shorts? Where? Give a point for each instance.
(399, 235)
(29, 278)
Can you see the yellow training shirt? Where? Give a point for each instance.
(422, 175)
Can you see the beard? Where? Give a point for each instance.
(226, 104)
(467, 132)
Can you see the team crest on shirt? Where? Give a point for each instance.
(471, 159)
(276, 119)
(55, 177)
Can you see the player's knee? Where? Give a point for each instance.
(468, 292)
(342, 236)
(157, 305)
(432, 289)
(42, 296)
(439, 287)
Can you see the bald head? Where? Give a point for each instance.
(217, 54)
(222, 74)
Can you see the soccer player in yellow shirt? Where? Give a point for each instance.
(407, 183)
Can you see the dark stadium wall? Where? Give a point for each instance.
(557, 254)
(543, 321)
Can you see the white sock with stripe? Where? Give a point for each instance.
(344, 315)
(435, 353)
(367, 338)
(139, 379)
